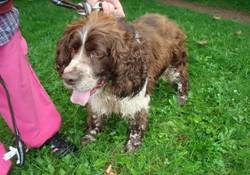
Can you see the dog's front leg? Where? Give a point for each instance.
(138, 127)
(95, 124)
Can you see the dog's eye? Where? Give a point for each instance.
(96, 54)
(72, 50)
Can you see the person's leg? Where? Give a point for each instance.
(36, 116)
(4, 165)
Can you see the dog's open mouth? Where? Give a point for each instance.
(82, 97)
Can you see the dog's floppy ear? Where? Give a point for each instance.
(69, 44)
(129, 66)
(62, 54)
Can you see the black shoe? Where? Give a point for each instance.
(60, 146)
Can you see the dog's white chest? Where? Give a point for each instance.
(106, 103)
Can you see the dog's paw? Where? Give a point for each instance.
(132, 145)
(87, 139)
(182, 100)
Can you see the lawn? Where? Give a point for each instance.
(210, 135)
(239, 5)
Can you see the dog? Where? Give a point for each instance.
(112, 66)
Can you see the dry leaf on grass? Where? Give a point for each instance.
(238, 32)
(202, 42)
(217, 17)
(109, 171)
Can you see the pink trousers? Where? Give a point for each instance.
(36, 116)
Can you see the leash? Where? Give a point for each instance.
(83, 8)
(19, 150)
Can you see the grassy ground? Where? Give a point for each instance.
(210, 135)
(239, 5)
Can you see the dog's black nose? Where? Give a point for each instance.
(71, 78)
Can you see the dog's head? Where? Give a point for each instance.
(99, 49)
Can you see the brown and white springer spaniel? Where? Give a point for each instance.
(112, 66)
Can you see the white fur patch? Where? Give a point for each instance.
(180, 86)
(81, 63)
(80, 58)
(106, 103)
(172, 75)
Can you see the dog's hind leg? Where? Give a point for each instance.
(182, 84)
(177, 75)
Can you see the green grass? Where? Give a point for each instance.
(239, 5)
(210, 135)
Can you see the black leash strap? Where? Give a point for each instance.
(19, 144)
(68, 4)
(83, 8)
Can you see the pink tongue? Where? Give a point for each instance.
(80, 98)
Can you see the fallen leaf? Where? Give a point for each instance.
(202, 42)
(238, 32)
(183, 137)
(217, 17)
(109, 171)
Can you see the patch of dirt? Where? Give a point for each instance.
(227, 14)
